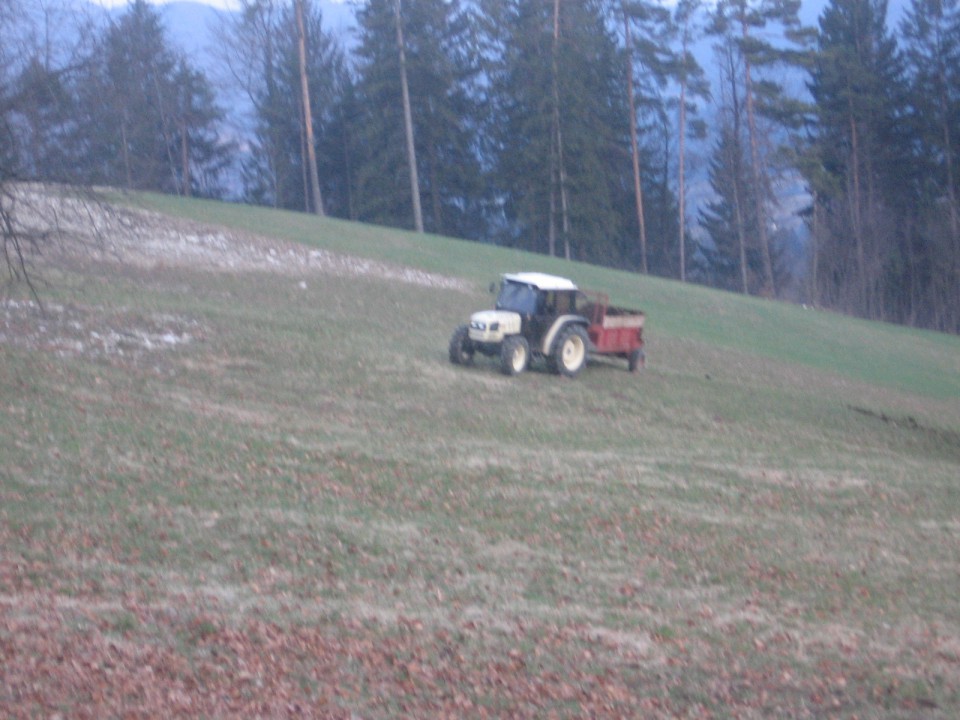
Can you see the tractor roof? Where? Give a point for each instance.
(541, 281)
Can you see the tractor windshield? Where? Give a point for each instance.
(517, 297)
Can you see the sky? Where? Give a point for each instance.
(219, 4)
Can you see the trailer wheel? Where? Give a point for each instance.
(637, 360)
(570, 351)
(514, 355)
(461, 347)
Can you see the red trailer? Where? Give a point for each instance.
(614, 331)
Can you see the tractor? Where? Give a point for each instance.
(540, 317)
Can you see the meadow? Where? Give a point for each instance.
(268, 493)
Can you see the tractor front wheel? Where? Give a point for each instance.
(461, 346)
(514, 355)
(570, 351)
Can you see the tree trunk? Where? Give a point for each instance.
(736, 162)
(347, 165)
(552, 219)
(565, 218)
(408, 127)
(769, 287)
(185, 158)
(815, 254)
(125, 152)
(168, 141)
(951, 188)
(634, 149)
(681, 182)
(856, 215)
(304, 164)
(741, 226)
(435, 199)
(315, 195)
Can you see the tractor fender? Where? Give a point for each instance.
(558, 324)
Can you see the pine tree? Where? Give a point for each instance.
(552, 92)
(931, 43)
(45, 122)
(128, 103)
(863, 176)
(728, 220)
(146, 119)
(202, 153)
(441, 72)
(339, 150)
(733, 256)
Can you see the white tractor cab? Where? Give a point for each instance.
(537, 316)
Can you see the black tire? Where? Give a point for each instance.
(461, 346)
(514, 355)
(570, 351)
(637, 360)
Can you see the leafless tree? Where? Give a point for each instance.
(32, 215)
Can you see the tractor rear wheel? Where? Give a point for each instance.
(570, 351)
(514, 355)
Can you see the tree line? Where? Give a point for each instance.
(554, 126)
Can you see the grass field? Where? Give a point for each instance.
(285, 500)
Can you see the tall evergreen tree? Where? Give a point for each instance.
(441, 71)
(730, 220)
(731, 264)
(146, 119)
(127, 103)
(930, 32)
(581, 78)
(45, 121)
(202, 153)
(863, 176)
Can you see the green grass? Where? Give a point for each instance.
(763, 523)
(892, 356)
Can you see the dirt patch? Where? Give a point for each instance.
(69, 224)
(73, 330)
(66, 227)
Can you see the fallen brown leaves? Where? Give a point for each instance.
(58, 659)
(139, 654)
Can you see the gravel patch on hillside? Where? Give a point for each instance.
(60, 227)
(73, 330)
(70, 224)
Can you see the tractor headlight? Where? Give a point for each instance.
(494, 327)
(477, 325)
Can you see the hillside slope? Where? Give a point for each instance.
(889, 355)
(241, 477)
